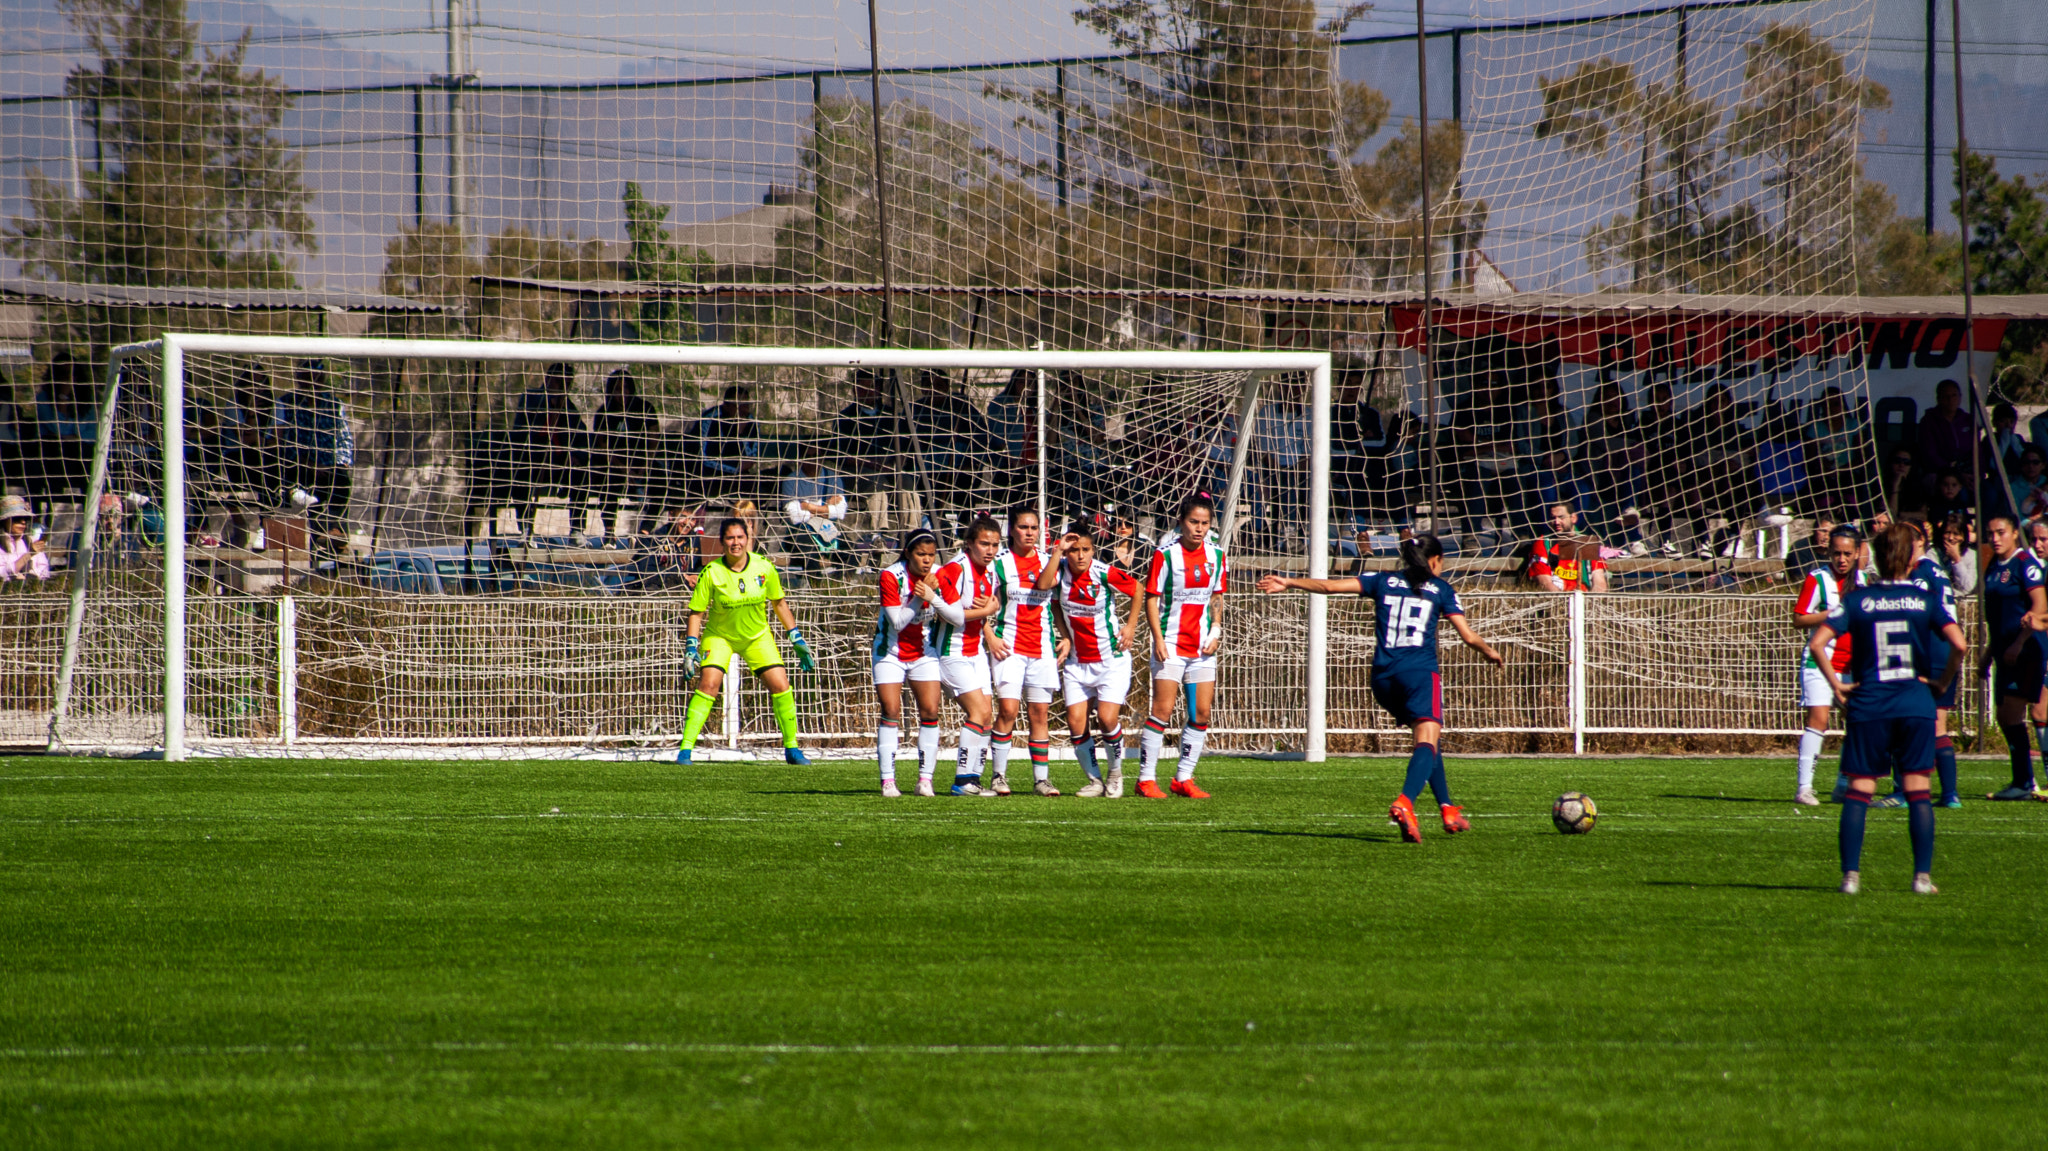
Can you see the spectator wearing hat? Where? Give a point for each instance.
(21, 558)
(814, 500)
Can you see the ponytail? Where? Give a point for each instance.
(1416, 552)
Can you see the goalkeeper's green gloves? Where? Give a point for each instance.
(804, 658)
(692, 657)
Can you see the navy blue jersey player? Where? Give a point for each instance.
(1892, 628)
(1930, 574)
(1406, 679)
(2016, 608)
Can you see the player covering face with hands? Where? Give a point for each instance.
(963, 597)
(1026, 654)
(729, 616)
(1406, 679)
(1892, 629)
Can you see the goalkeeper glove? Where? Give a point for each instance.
(692, 659)
(804, 658)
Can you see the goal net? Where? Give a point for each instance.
(488, 548)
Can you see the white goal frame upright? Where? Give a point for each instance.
(173, 347)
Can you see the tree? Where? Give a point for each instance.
(1896, 255)
(652, 255)
(1801, 112)
(197, 190)
(2008, 255)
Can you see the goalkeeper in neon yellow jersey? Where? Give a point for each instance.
(728, 616)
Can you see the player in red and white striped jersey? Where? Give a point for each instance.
(1823, 591)
(963, 595)
(899, 657)
(1098, 663)
(1183, 603)
(1025, 650)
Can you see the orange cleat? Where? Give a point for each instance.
(1150, 789)
(1454, 819)
(1186, 789)
(1402, 815)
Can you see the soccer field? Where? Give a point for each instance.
(293, 953)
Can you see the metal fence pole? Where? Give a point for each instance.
(174, 548)
(1575, 672)
(288, 667)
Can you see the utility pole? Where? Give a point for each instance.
(459, 77)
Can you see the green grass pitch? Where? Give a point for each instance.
(310, 954)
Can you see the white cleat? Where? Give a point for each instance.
(889, 790)
(1044, 787)
(1852, 883)
(1923, 884)
(1093, 789)
(1114, 788)
(999, 785)
(1806, 798)
(924, 786)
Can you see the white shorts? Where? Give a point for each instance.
(1185, 669)
(1031, 679)
(1814, 690)
(1108, 681)
(963, 674)
(893, 669)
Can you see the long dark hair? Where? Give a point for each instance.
(916, 537)
(1416, 553)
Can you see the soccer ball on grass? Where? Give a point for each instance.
(1574, 813)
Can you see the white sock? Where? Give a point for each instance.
(1192, 738)
(1084, 750)
(1150, 744)
(887, 736)
(1114, 742)
(973, 745)
(1809, 750)
(927, 749)
(1000, 746)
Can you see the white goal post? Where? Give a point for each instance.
(173, 348)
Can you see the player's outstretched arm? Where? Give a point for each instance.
(1275, 584)
(1474, 641)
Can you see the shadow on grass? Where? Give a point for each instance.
(876, 792)
(1311, 834)
(1725, 798)
(1743, 886)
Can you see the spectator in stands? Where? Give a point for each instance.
(1834, 442)
(1564, 560)
(318, 446)
(1902, 484)
(546, 411)
(624, 427)
(67, 421)
(2005, 420)
(1655, 436)
(2030, 485)
(1958, 542)
(1719, 467)
(1947, 437)
(728, 442)
(953, 438)
(1078, 446)
(814, 501)
(1812, 552)
(1951, 498)
(874, 440)
(1283, 456)
(1013, 417)
(21, 558)
(1611, 464)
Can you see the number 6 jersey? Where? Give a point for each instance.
(1406, 619)
(1893, 628)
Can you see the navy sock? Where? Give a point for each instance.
(1920, 821)
(2022, 753)
(1855, 811)
(1422, 763)
(1945, 766)
(1439, 783)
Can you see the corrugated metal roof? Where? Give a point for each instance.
(1523, 303)
(223, 299)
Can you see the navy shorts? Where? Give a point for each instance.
(2021, 677)
(1410, 696)
(1872, 747)
(1947, 700)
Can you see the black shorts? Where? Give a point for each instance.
(1872, 747)
(2021, 676)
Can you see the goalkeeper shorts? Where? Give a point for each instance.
(760, 653)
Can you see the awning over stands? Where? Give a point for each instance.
(220, 299)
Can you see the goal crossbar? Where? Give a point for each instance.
(173, 347)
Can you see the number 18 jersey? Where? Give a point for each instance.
(1406, 619)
